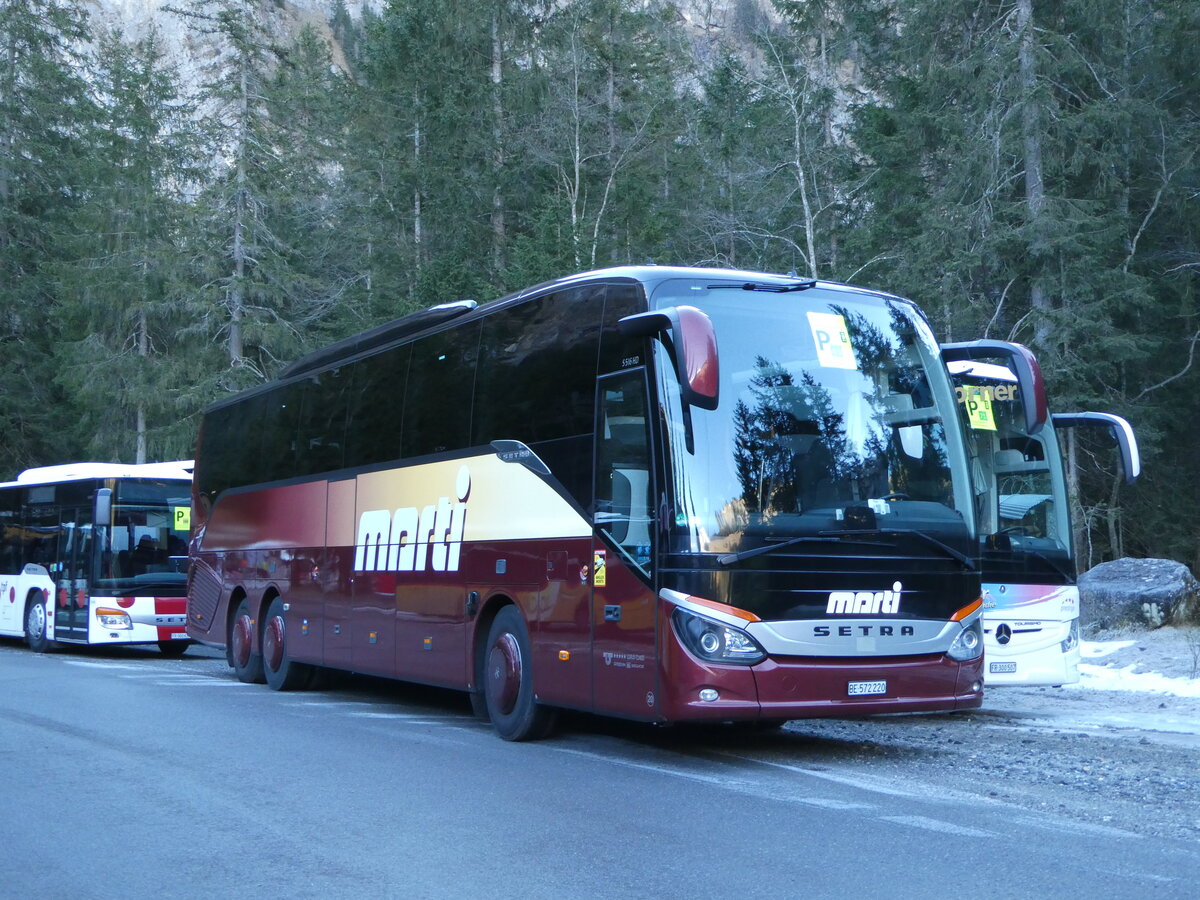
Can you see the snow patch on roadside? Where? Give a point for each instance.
(1126, 678)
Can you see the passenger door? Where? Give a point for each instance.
(71, 577)
(624, 605)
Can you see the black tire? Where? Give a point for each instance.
(244, 653)
(37, 622)
(282, 673)
(173, 649)
(507, 681)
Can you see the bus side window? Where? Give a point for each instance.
(624, 505)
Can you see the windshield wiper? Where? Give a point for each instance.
(730, 558)
(761, 286)
(966, 561)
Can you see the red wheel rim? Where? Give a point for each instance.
(273, 643)
(504, 674)
(241, 640)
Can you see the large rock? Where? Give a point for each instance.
(1150, 592)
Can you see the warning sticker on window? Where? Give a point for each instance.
(833, 340)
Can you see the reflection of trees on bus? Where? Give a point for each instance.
(796, 445)
(819, 436)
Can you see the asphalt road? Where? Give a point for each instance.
(130, 775)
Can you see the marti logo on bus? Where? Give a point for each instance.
(408, 540)
(846, 603)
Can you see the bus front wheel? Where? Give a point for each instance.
(247, 665)
(281, 672)
(508, 681)
(37, 622)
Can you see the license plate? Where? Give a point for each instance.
(181, 636)
(861, 688)
(1002, 667)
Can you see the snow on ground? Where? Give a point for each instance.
(1138, 684)
(1133, 676)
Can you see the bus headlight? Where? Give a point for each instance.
(114, 619)
(716, 641)
(1072, 640)
(969, 644)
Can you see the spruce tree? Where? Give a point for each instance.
(46, 119)
(120, 357)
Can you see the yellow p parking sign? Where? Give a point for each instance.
(181, 518)
(979, 409)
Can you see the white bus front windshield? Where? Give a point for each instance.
(831, 417)
(146, 543)
(1025, 496)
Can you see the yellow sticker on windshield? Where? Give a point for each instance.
(979, 408)
(181, 518)
(833, 340)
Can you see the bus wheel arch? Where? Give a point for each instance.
(37, 621)
(507, 683)
(482, 626)
(280, 671)
(244, 650)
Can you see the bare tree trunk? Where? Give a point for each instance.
(498, 160)
(237, 288)
(417, 232)
(8, 141)
(1079, 524)
(1035, 187)
(802, 183)
(143, 345)
(1113, 515)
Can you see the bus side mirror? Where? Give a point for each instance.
(1119, 428)
(102, 511)
(1023, 364)
(694, 347)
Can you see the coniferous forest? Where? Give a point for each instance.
(1024, 169)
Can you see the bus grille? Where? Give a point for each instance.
(204, 590)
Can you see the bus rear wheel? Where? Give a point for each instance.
(282, 673)
(37, 622)
(247, 665)
(508, 681)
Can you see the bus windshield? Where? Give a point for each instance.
(1025, 494)
(830, 418)
(146, 543)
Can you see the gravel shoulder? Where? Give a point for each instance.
(1107, 758)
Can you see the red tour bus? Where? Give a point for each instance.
(664, 494)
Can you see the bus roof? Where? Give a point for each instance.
(80, 471)
(975, 369)
(649, 275)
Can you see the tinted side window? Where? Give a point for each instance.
(624, 496)
(223, 458)
(616, 350)
(537, 368)
(322, 439)
(10, 531)
(275, 418)
(374, 406)
(437, 402)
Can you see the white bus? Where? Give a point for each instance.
(96, 553)
(1030, 597)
